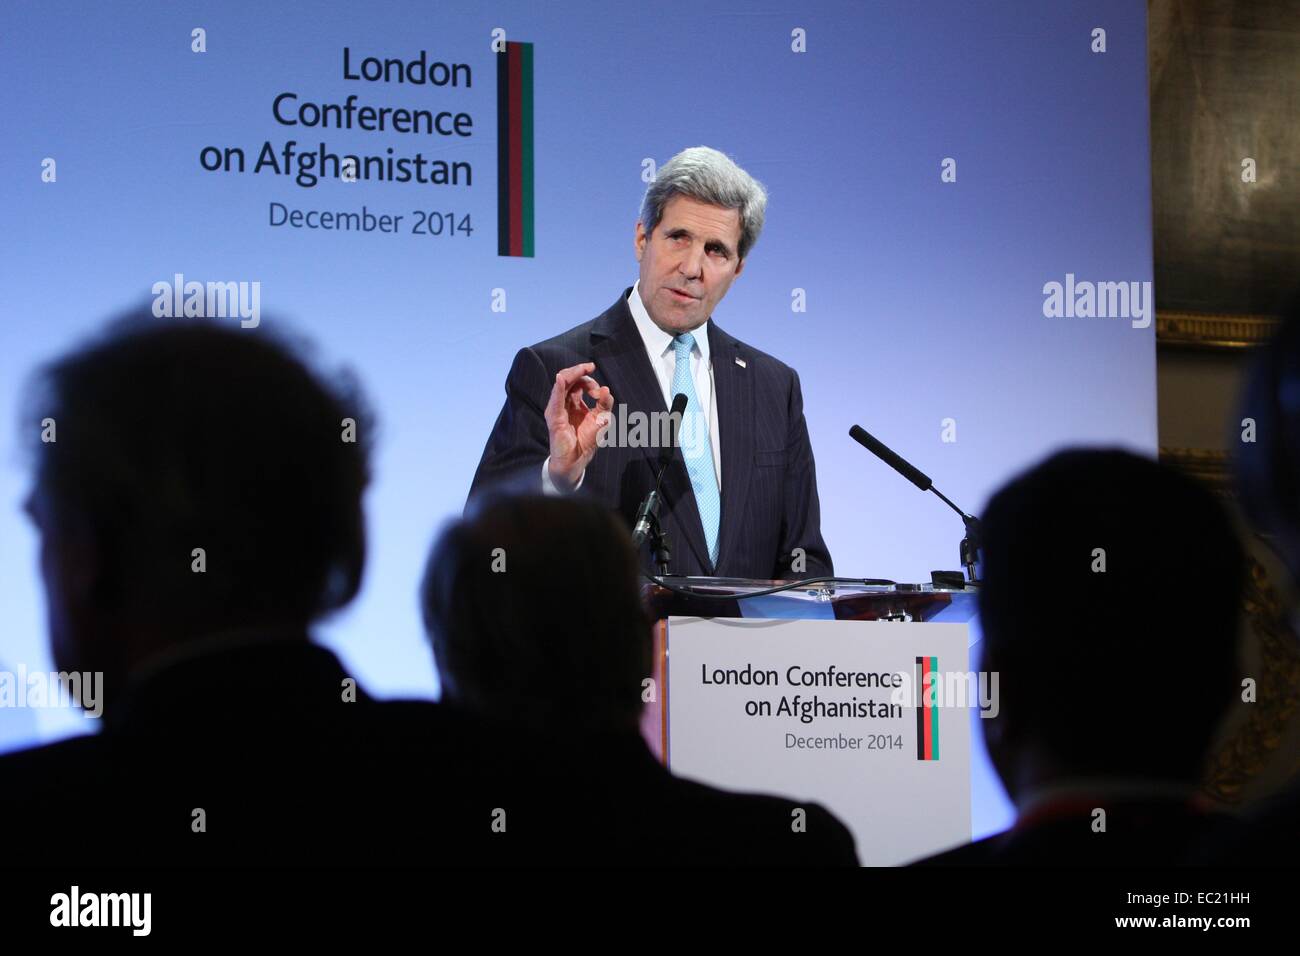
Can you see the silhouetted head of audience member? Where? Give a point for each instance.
(533, 607)
(191, 479)
(1268, 446)
(1109, 611)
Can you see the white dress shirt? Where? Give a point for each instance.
(659, 349)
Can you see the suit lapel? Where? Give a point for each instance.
(735, 397)
(622, 364)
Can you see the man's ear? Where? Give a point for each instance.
(740, 267)
(639, 240)
(1004, 753)
(70, 556)
(1003, 734)
(83, 567)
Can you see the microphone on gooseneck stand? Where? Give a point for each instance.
(647, 516)
(970, 545)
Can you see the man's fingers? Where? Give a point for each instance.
(586, 385)
(601, 393)
(555, 405)
(564, 380)
(589, 385)
(565, 377)
(568, 398)
(596, 421)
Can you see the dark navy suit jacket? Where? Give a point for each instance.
(769, 481)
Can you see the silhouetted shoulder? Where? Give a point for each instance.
(979, 853)
(763, 830)
(48, 768)
(1267, 836)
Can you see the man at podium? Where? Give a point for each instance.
(739, 492)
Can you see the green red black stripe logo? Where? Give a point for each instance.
(515, 150)
(927, 710)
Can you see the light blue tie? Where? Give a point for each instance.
(697, 450)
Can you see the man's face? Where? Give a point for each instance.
(689, 262)
(66, 574)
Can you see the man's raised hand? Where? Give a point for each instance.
(574, 428)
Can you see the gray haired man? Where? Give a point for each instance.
(739, 496)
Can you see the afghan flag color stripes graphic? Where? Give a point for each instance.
(927, 713)
(515, 150)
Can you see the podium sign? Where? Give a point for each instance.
(831, 711)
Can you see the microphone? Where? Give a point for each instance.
(647, 516)
(891, 458)
(674, 419)
(971, 543)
